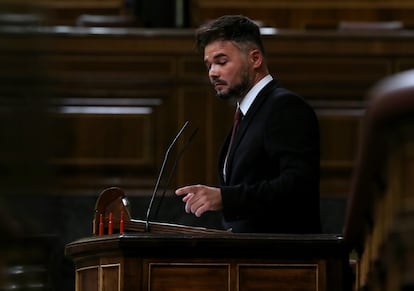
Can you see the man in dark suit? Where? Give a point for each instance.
(269, 171)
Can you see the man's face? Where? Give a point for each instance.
(228, 69)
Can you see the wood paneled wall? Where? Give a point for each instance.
(140, 86)
(303, 14)
(297, 14)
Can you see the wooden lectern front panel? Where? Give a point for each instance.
(266, 277)
(210, 276)
(188, 277)
(87, 278)
(111, 277)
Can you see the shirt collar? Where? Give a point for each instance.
(251, 95)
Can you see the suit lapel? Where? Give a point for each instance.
(246, 121)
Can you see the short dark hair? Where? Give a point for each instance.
(237, 28)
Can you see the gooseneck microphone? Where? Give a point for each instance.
(167, 184)
(161, 173)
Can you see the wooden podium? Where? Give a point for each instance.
(167, 257)
(146, 261)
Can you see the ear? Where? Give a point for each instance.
(256, 58)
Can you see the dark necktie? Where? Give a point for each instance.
(237, 117)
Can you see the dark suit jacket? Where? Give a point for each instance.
(273, 168)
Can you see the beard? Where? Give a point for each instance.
(237, 91)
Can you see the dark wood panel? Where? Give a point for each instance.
(87, 277)
(111, 277)
(192, 67)
(330, 77)
(302, 14)
(212, 117)
(339, 139)
(181, 276)
(114, 140)
(192, 107)
(283, 14)
(404, 64)
(114, 66)
(295, 277)
(219, 119)
(66, 12)
(339, 135)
